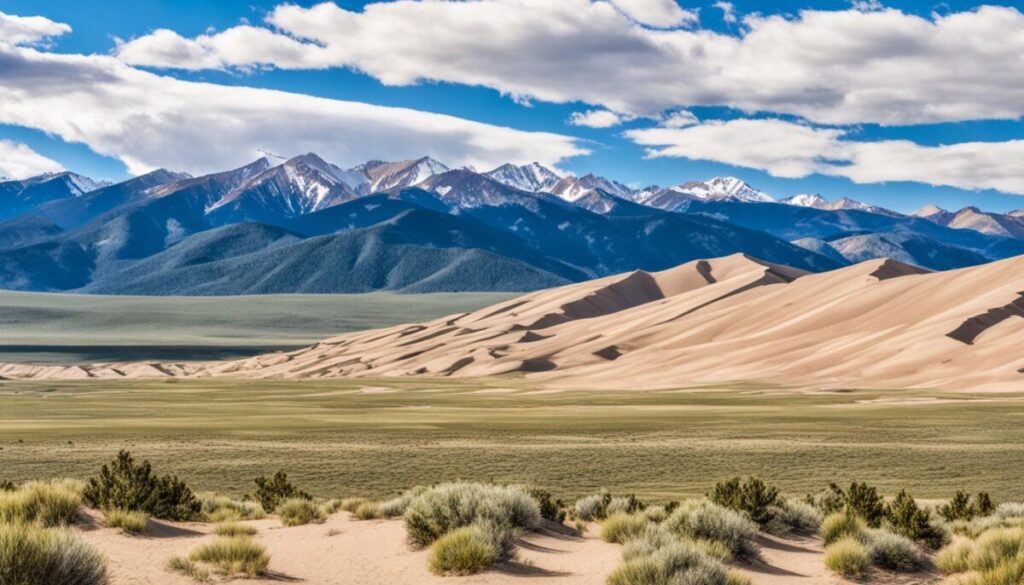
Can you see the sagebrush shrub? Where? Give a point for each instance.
(752, 496)
(895, 552)
(270, 492)
(33, 555)
(589, 508)
(679, 562)
(705, 520)
(443, 508)
(125, 485)
(623, 505)
(797, 515)
(847, 557)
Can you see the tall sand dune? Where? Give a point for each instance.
(880, 323)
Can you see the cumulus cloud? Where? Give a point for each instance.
(728, 11)
(791, 150)
(680, 119)
(831, 67)
(18, 161)
(149, 121)
(597, 119)
(25, 30)
(657, 13)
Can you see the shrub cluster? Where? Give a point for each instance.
(125, 485)
(656, 557)
(232, 555)
(705, 520)
(994, 558)
(270, 492)
(797, 515)
(752, 496)
(904, 517)
(42, 503)
(471, 549)
(962, 507)
(848, 557)
(550, 508)
(216, 508)
(620, 527)
(298, 511)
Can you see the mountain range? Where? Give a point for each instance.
(306, 225)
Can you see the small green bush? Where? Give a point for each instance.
(847, 557)
(123, 485)
(464, 551)
(896, 553)
(129, 521)
(961, 507)
(44, 503)
(446, 507)
(367, 511)
(906, 518)
(33, 555)
(298, 511)
(233, 556)
(864, 501)
(270, 492)
(752, 496)
(550, 508)
(233, 529)
(839, 525)
(705, 520)
(620, 527)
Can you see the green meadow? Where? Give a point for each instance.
(376, 437)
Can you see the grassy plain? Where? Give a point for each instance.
(375, 437)
(67, 328)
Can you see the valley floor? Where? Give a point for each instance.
(374, 438)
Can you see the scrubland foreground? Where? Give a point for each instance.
(129, 525)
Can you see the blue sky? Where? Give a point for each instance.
(613, 153)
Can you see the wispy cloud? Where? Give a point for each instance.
(18, 161)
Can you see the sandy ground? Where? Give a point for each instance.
(344, 551)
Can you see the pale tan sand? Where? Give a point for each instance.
(876, 324)
(344, 551)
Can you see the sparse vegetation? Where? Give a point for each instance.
(895, 552)
(298, 511)
(132, 522)
(905, 517)
(217, 508)
(234, 555)
(33, 555)
(752, 496)
(847, 557)
(995, 558)
(466, 550)
(270, 492)
(125, 485)
(839, 525)
(233, 529)
(621, 527)
(350, 504)
(705, 520)
(446, 507)
(188, 568)
(40, 502)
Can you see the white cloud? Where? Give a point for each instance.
(657, 13)
(728, 11)
(680, 119)
(597, 119)
(147, 120)
(25, 30)
(831, 67)
(787, 149)
(18, 161)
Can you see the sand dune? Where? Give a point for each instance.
(879, 323)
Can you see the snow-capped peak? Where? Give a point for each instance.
(574, 188)
(806, 200)
(533, 177)
(723, 188)
(390, 175)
